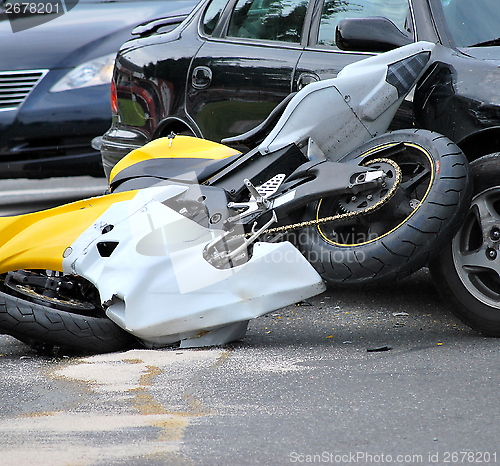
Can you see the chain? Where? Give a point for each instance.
(347, 215)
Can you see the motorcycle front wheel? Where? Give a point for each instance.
(54, 324)
(467, 272)
(401, 235)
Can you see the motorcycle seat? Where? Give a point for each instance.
(255, 136)
(150, 172)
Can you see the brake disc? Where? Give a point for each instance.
(60, 302)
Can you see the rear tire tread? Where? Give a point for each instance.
(427, 231)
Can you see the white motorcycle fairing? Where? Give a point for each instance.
(155, 283)
(341, 113)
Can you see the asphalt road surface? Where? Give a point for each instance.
(384, 376)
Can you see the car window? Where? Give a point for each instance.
(472, 21)
(398, 11)
(212, 15)
(277, 20)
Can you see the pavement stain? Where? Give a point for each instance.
(146, 404)
(40, 414)
(221, 359)
(131, 404)
(172, 429)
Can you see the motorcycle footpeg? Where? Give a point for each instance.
(230, 251)
(257, 205)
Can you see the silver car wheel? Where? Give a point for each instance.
(476, 247)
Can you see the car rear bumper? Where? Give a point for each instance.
(116, 144)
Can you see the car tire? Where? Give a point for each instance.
(467, 272)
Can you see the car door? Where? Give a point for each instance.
(237, 78)
(322, 59)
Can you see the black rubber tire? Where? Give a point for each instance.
(473, 293)
(416, 235)
(47, 328)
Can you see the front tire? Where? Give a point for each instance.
(402, 235)
(55, 324)
(467, 272)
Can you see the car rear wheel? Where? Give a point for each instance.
(467, 272)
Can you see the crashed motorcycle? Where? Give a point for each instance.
(195, 238)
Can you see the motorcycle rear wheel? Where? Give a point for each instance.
(47, 325)
(400, 237)
(467, 272)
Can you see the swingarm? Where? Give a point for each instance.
(314, 180)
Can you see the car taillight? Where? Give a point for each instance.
(114, 98)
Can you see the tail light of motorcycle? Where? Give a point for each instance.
(403, 73)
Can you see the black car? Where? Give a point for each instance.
(55, 72)
(230, 62)
(224, 69)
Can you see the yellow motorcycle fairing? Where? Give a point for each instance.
(179, 147)
(38, 240)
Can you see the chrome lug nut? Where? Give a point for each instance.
(495, 234)
(491, 254)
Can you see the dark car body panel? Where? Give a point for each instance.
(155, 91)
(248, 77)
(243, 90)
(50, 133)
(463, 97)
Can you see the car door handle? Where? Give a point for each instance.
(201, 77)
(306, 78)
